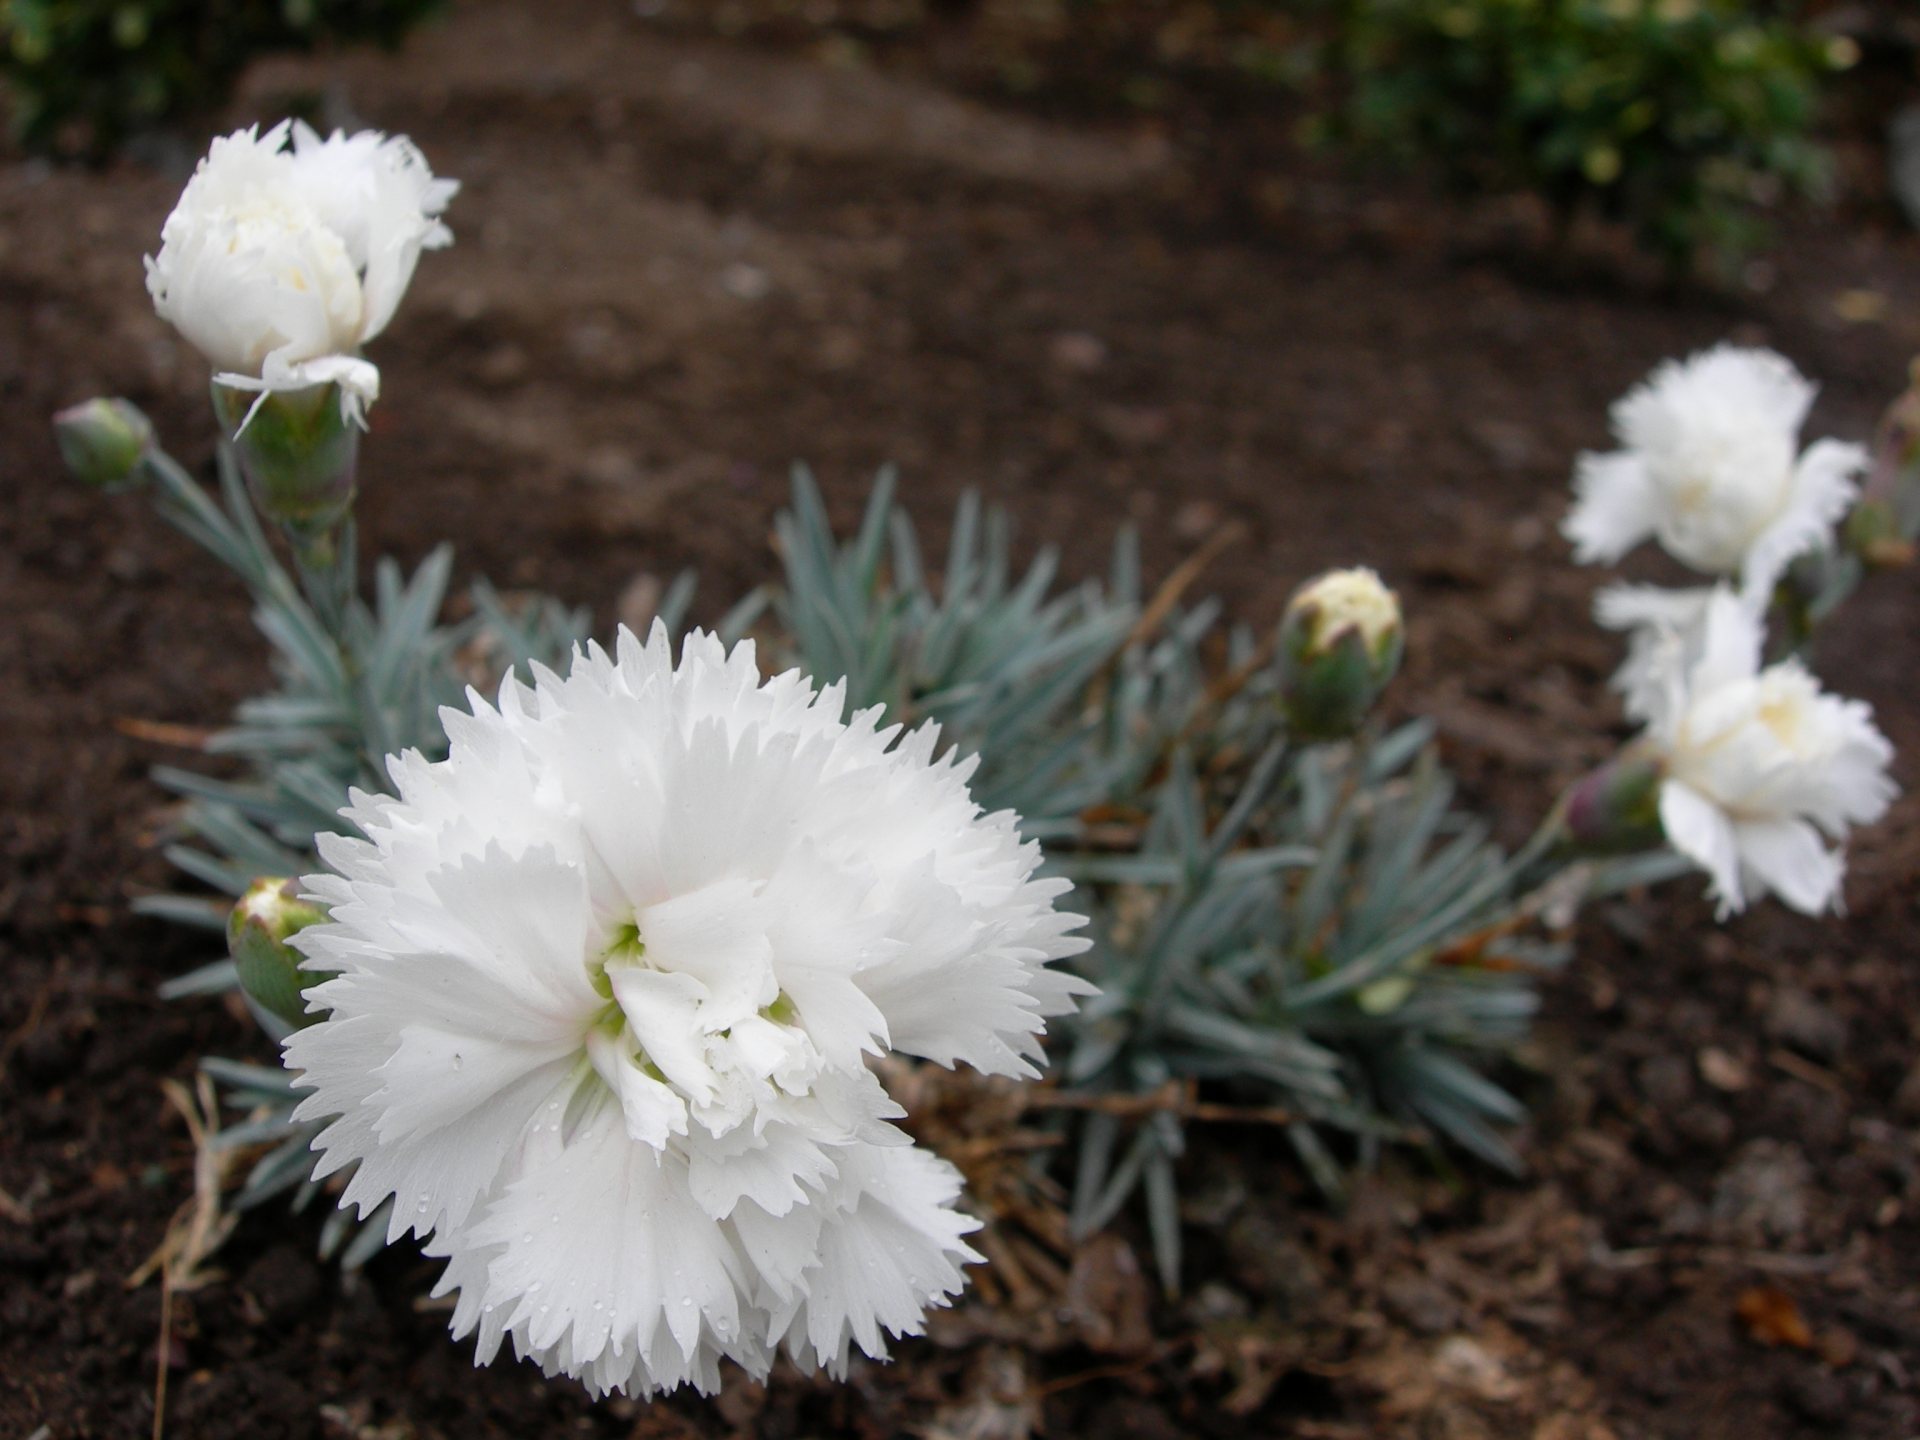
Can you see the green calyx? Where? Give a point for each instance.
(259, 926)
(1616, 808)
(104, 442)
(1340, 642)
(298, 450)
(1329, 682)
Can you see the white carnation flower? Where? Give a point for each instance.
(604, 987)
(1758, 763)
(288, 252)
(1664, 627)
(1709, 465)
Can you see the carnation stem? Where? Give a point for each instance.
(320, 613)
(326, 561)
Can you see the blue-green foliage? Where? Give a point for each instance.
(350, 689)
(1318, 932)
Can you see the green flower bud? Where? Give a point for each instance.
(1616, 809)
(1340, 643)
(298, 452)
(104, 441)
(262, 922)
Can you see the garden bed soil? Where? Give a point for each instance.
(683, 265)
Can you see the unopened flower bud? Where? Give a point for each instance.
(297, 450)
(1616, 808)
(103, 441)
(263, 920)
(1340, 643)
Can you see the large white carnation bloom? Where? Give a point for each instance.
(288, 252)
(1758, 763)
(1709, 465)
(605, 983)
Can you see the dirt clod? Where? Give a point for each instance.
(1762, 1197)
(1796, 1018)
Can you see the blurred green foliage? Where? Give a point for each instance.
(81, 76)
(1684, 119)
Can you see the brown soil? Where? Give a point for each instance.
(683, 265)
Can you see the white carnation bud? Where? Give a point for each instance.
(1710, 466)
(287, 253)
(1759, 765)
(605, 983)
(259, 926)
(1340, 643)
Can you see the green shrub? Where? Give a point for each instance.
(1681, 118)
(83, 75)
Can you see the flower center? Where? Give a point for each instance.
(696, 1029)
(1721, 491)
(1786, 722)
(286, 245)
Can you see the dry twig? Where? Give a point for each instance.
(198, 1228)
(1176, 1097)
(159, 732)
(1182, 578)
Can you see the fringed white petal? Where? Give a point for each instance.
(1787, 858)
(1700, 830)
(1666, 630)
(1823, 492)
(889, 1248)
(1614, 508)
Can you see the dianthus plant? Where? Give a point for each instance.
(581, 959)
